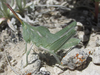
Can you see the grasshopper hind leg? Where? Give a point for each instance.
(27, 53)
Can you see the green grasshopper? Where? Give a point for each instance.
(41, 37)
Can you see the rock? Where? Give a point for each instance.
(51, 2)
(9, 58)
(33, 64)
(43, 71)
(71, 6)
(2, 45)
(74, 58)
(96, 56)
(98, 42)
(2, 67)
(93, 73)
(1, 49)
(1, 55)
(57, 71)
(80, 35)
(93, 34)
(3, 62)
(88, 72)
(11, 24)
(83, 37)
(79, 26)
(13, 62)
(1, 70)
(4, 36)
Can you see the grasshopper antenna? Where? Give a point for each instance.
(13, 12)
